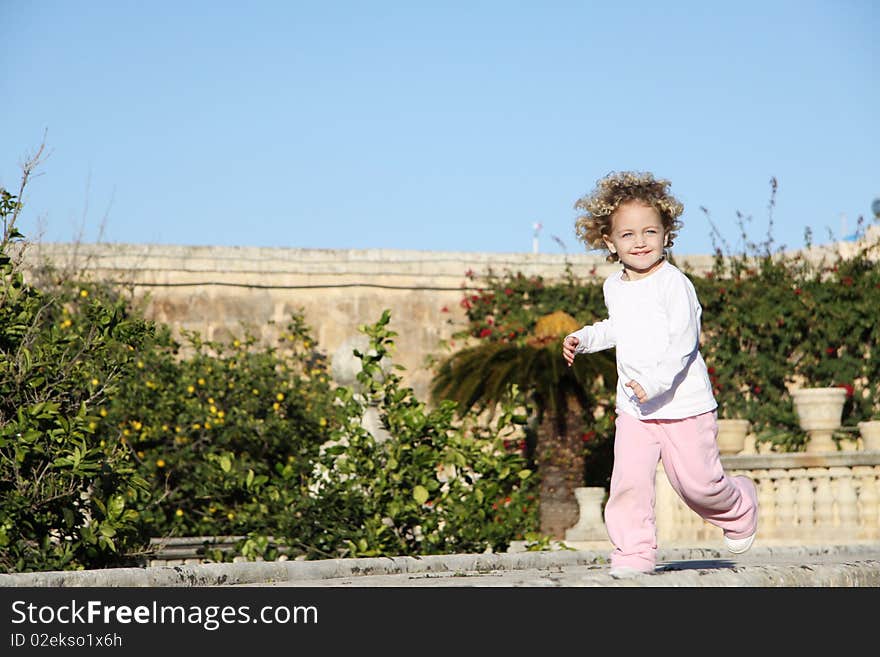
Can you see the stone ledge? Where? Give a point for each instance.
(867, 569)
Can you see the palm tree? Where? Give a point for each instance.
(480, 376)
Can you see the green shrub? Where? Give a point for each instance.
(225, 433)
(238, 439)
(435, 485)
(65, 495)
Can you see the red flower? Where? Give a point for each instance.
(830, 351)
(711, 370)
(508, 291)
(757, 390)
(444, 309)
(469, 273)
(797, 290)
(485, 332)
(847, 280)
(586, 437)
(848, 387)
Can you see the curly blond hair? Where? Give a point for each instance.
(621, 187)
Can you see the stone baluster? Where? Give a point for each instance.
(766, 504)
(666, 508)
(690, 522)
(688, 529)
(786, 518)
(824, 503)
(803, 501)
(876, 515)
(869, 501)
(703, 530)
(873, 519)
(845, 499)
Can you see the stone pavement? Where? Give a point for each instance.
(762, 566)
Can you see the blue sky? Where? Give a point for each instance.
(444, 126)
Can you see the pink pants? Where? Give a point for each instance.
(689, 452)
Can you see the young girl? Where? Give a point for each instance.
(665, 406)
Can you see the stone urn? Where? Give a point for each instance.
(591, 524)
(732, 435)
(870, 432)
(819, 412)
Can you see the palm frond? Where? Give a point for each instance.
(481, 375)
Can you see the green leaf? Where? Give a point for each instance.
(420, 494)
(116, 506)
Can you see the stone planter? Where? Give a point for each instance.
(819, 412)
(732, 435)
(591, 524)
(870, 431)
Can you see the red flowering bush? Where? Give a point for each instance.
(774, 321)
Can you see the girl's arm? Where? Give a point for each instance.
(595, 337)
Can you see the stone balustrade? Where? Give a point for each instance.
(804, 499)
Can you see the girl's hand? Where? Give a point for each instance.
(568, 347)
(637, 390)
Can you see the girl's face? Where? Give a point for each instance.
(637, 237)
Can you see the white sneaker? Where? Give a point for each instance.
(739, 545)
(625, 572)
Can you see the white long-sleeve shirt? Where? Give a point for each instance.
(654, 324)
